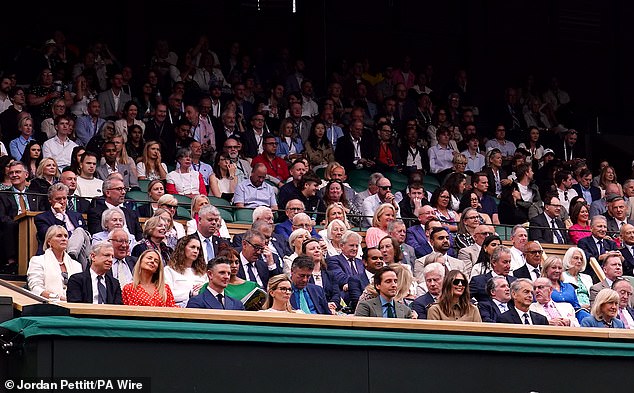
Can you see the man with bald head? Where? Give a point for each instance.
(533, 254)
(415, 235)
(557, 313)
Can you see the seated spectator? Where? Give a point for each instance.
(575, 263)
(385, 304)
(386, 152)
(390, 250)
(106, 132)
(148, 287)
(48, 274)
(499, 291)
(432, 278)
(276, 167)
(552, 268)
(508, 210)
(486, 202)
(607, 176)
(255, 191)
(506, 147)
(88, 186)
(482, 264)
(17, 146)
(293, 207)
(613, 269)
(469, 221)
(372, 189)
(397, 230)
(333, 237)
(531, 201)
(469, 255)
(135, 144)
(308, 192)
(295, 240)
(258, 263)
(558, 314)
(112, 165)
(580, 218)
(382, 217)
(548, 227)
(456, 184)
(33, 158)
(441, 155)
(454, 302)
(519, 312)
(80, 285)
(500, 266)
(475, 160)
(604, 311)
(496, 175)
(185, 180)
(354, 150)
(111, 219)
(318, 148)
(598, 245)
(320, 275)
(150, 165)
(600, 206)
(130, 111)
(585, 188)
(278, 296)
(186, 271)
(153, 239)
(46, 175)
(412, 199)
(333, 192)
(308, 297)
(623, 287)
(60, 147)
(440, 202)
(174, 230)
(382, 196)
(534, 147)
(155, 191)
(289, 145)
(223, 179)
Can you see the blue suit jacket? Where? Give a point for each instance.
(416, 238)
(593, 322)
(628, 262)
(477, 286)
(489, 312)
(356, 285)
(595, 192)
(330, 287)
(318, 297)
(340, 268)
(263, 270)
(79, 288)
(45, 219)
(421, 303)
(207, 300)
(589, 247)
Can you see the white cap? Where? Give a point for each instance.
(547, 151)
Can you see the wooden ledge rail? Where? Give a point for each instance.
(20, 299)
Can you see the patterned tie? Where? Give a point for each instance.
(560, 240)
(537, 274)
(390, 310)
(101, 298)
(527, 321)
(623, 319)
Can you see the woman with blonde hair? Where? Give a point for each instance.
(186, 271)
(148, 287)
(334, 233)
(119, 140)
(47, 275)
(150, 166)
(382, 216)
(604, 311)
(278, 295)
(155, 190)
(553, 268)
(173, 230)
(154, 239)
(46, 175)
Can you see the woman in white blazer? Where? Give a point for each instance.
(574, 263)
(48, 274)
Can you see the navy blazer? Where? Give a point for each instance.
(544, 233)
(489, 311)
(318, 297)
(418, 240)
(279, 242)
(589, 247)
(421, 304)
(79, 289)
(477, 285)
(263, 270)
(356, 285)
(330, 287)
(209, 301)
(340, 268)
(522, 272)
(595, 192)
(9, 207)
(511, 316)
(97, 208)
(628, 262)
(44, 220)
(81, 204)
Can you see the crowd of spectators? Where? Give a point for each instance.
(91, 137)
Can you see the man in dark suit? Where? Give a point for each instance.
(80, 285)
(613, 269)
(114, 192)
(208, 224)
(434, 273)
(256, 264)
(500, 265)
(219, 273)
(616, 213)
(498, 303)
(353, 151)
(109, 153)
(75, 203)
(372, 262)
(585, 188)
(57, 214)
(13, 202)
(415, 197)
(626, 313)
(532, 268)
(383, 305)
(252, 137)
(346, 264)
(309, 298)
(415, 236)
(627, 250)
(547, 227)
(123, 263)
(597, 245)
(263, 222)
(522, 294)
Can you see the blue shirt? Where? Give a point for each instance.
(252, 196)
(384, 307)
(17, 146)
(586, 194)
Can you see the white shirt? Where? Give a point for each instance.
(89, 188)
(121, 271)
(517, 258)
(185, 183)
(60, 151)
(95, 289)
(181, 284)
(521, 315)
(245, 266)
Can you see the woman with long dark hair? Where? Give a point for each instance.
(32, 157)
(186, 271)
(318, 147)
(483, 264)
(508, 211)
(454, 303)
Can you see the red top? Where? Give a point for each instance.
(139, 297)
(277, 168)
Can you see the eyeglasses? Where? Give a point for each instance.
(231, 147)
(285, 289)
(169, 206)
(295, 209)
(472, 218)
(257, 248)
(120, 241)
(541, 286)
(120, 189)
(459, 281)
(385, 188)
(444, 196)
(534, 252)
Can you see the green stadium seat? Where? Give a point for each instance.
(218, 201)
(503, 232)
(183, 213)
(431, 180)
(137, 196)
(226, 214)
(183, 200)
(143, 184)
(243, 216)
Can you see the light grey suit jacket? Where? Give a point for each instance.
(372, 308)
(469, 255)
(129, 176)
(106, 100)
(596, 288)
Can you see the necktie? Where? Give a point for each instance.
(601, 248)
(623, 319)
(71, 205)
(503, 308)
(120, 272)
(527, 321)
(251, 273)
(551, 311)
(303, 304)
(210, 249)
(560, 240)
(536, 270)
(390, 310)
(353, 267)
(101, 299)
(220, 297)
(22, 203)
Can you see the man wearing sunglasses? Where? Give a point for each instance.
(383, 195)
(253, 266)
(533, 254)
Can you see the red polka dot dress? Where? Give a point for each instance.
(138, 296)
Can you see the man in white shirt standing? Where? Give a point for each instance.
(60, 147)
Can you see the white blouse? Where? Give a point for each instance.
(181, 284)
